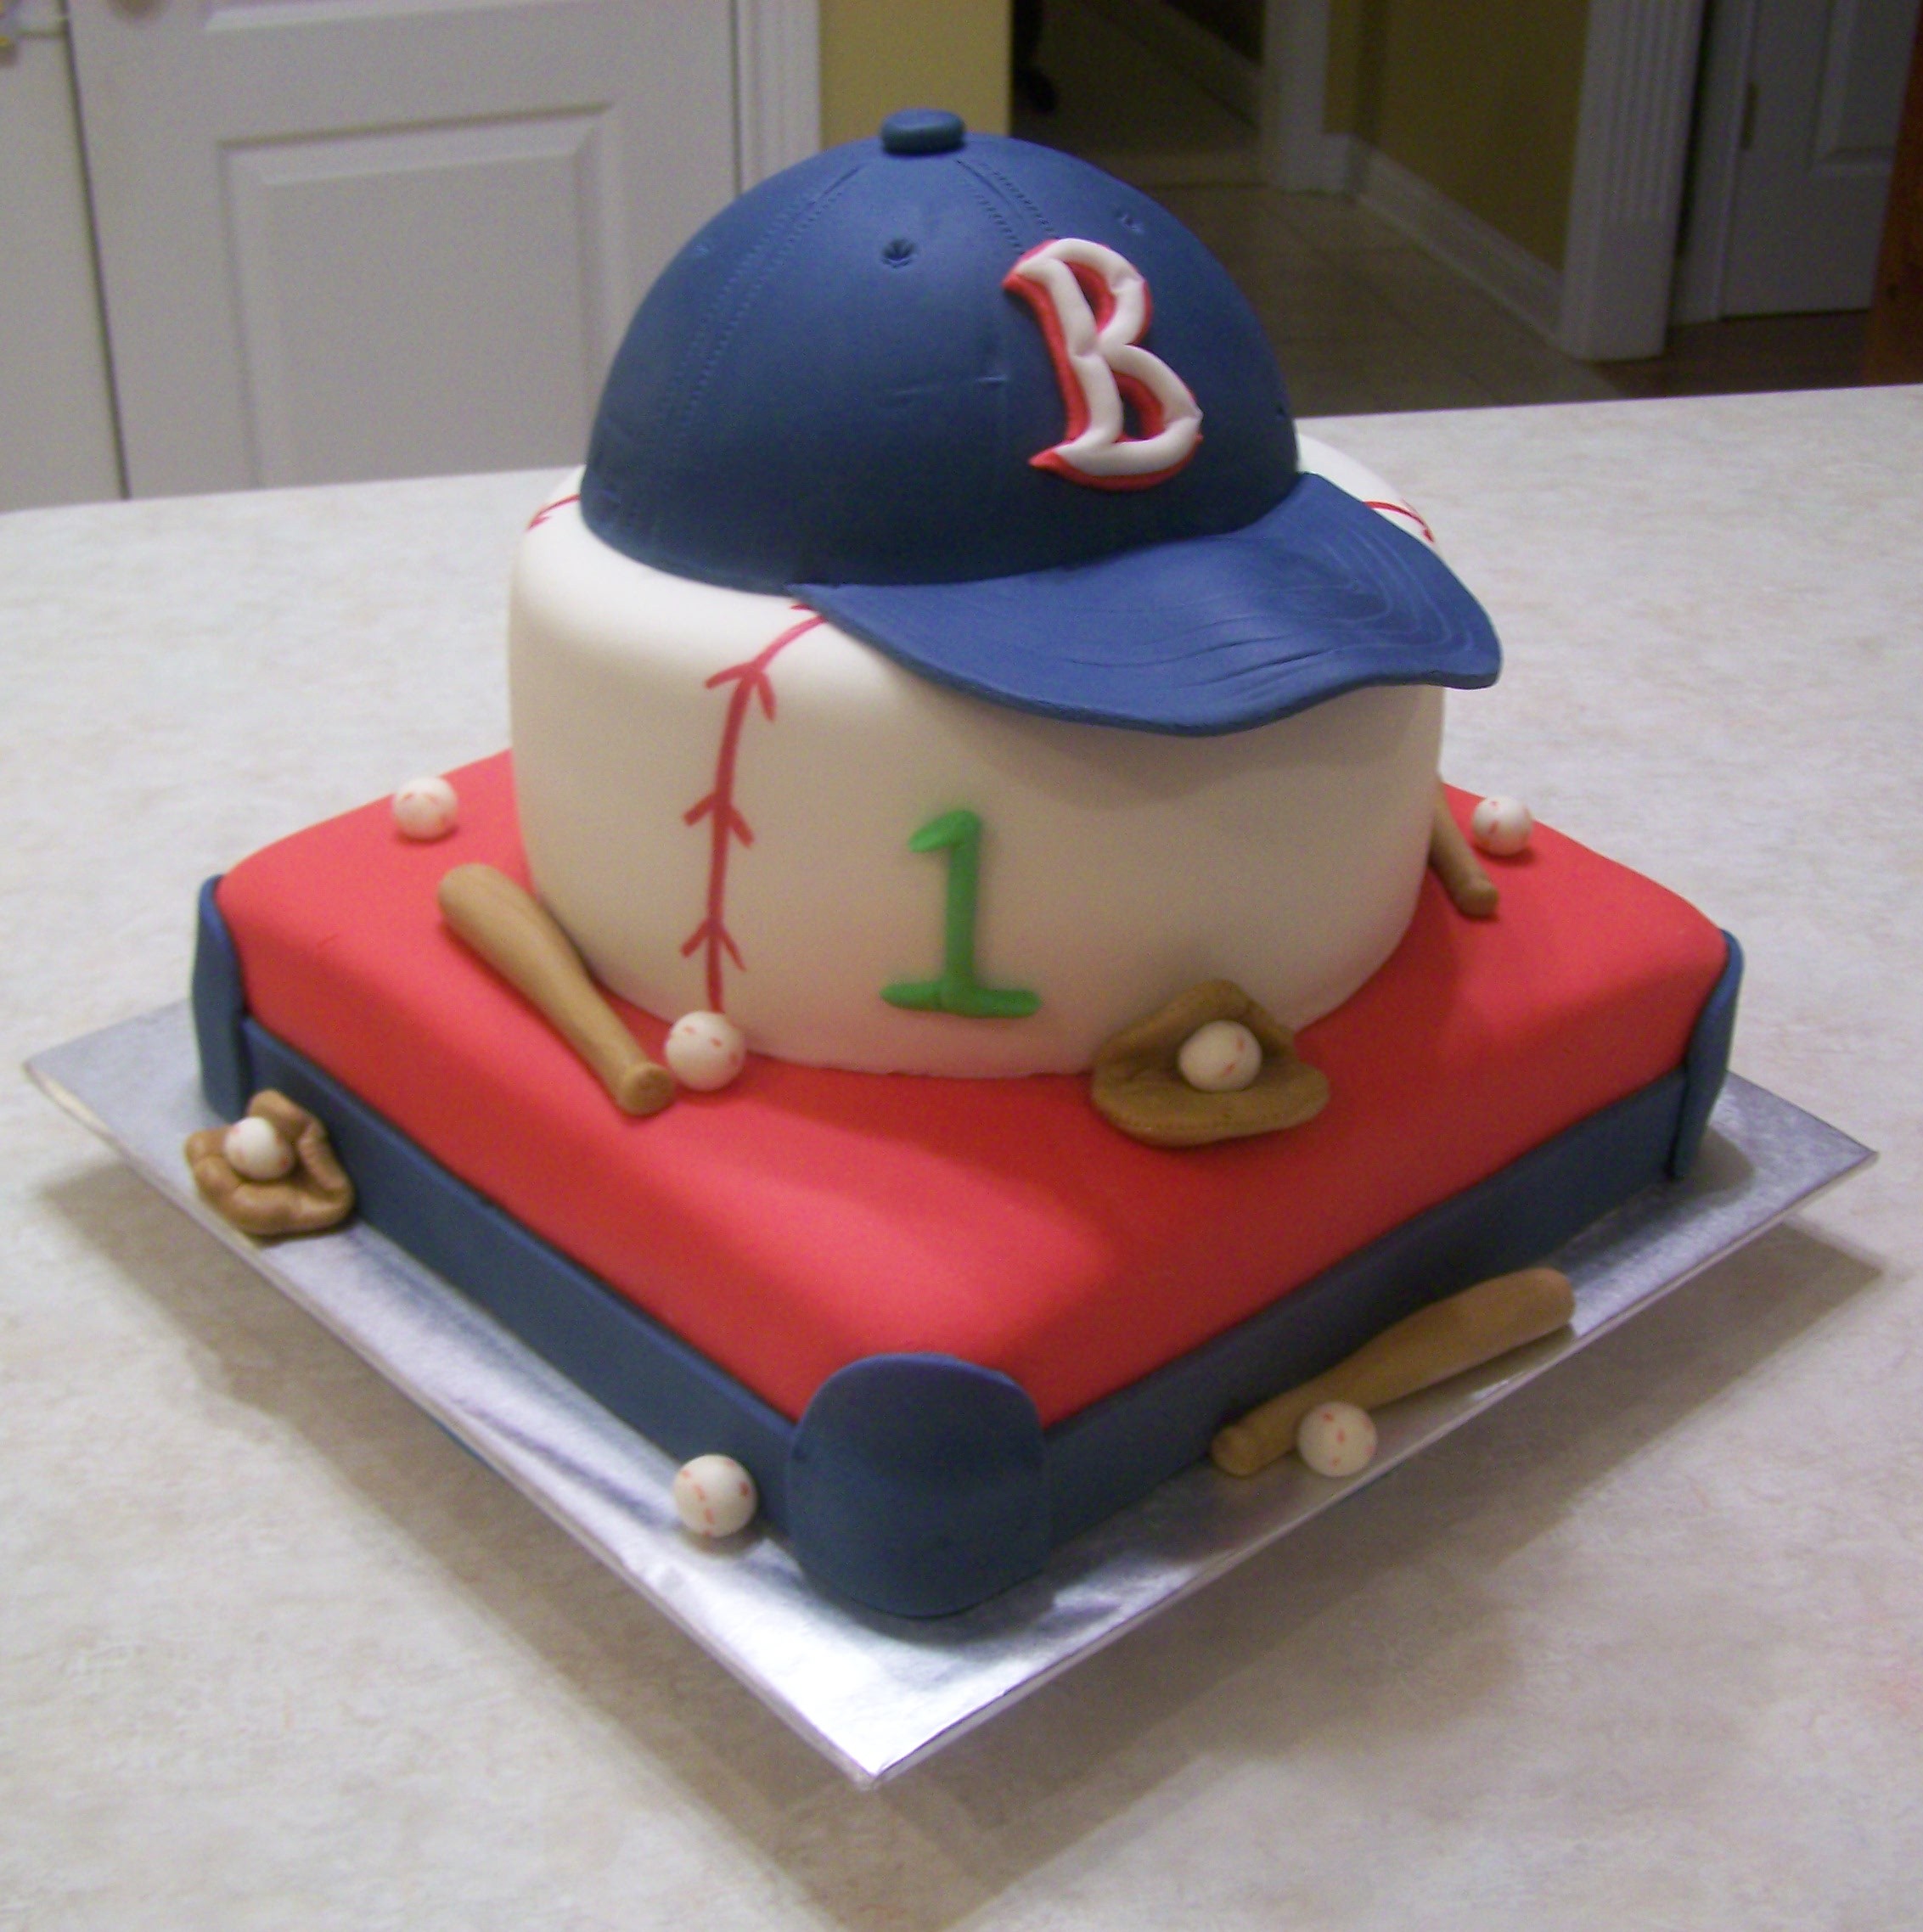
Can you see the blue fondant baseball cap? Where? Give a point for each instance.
(1004, 418)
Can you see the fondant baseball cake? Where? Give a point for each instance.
(971, 982)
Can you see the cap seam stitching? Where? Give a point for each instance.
(765, 267)
(986, 170)
(985, 196)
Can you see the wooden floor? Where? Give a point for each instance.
(1749, 352)
(1361, 319)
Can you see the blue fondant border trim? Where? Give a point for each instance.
(1705, 1060)
(220, 1005)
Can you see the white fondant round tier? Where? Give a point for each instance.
(722, 821)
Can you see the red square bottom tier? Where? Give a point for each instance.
(804, 1219)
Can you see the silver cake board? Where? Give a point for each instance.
(876, 1693)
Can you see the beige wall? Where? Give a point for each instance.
(1478, 97)
(878, 55)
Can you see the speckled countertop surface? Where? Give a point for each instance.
(1644, 1647)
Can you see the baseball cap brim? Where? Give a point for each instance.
(1207, 635)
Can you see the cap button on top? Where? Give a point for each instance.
(922, 131)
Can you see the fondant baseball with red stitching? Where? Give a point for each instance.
(257, 1151)
(1223, 1057)
(427, 808)
(714, 1495)
(1336, 1439)
(1501, 826)
(705, 1051)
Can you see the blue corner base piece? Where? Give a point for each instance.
(916, 1482)
(919, 1484)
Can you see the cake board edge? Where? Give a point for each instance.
(876, 1695)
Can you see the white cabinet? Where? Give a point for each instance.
(351, 238)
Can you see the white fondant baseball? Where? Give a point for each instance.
(714, 1495)
(256, 1151)
(1223, 1057)
(1501, 826)
(705, 1050)
(1336, 1439)
(427, 808)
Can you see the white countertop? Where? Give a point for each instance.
(1643, 1647)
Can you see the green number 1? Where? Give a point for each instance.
(957, 991)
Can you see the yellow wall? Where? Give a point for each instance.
(878, 55)
(1478, 97)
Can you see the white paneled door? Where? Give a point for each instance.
(1825, 98)
(352, 238)
(56, 417)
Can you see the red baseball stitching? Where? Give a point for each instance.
(1403, 510)
(547, 510)
(726, 823)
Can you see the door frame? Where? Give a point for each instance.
(776, 86)
(1298, 152)
(1703, 263)
(1641, 64)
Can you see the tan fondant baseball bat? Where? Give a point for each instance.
(520, 941)
(1456, 864)
(1462, 1331)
